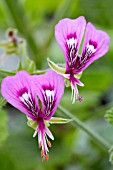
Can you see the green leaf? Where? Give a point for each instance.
(109, 116)
(31, 123)
(2, 101)
(3, 126)
(59, 120)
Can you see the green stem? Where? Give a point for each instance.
(97, 138)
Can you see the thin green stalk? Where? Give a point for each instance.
(96, 137)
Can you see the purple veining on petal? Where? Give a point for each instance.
(94, 43)
(72, 48)
(19, 91)
(28, 102)
(49, 98)
(89, 51)
(49, 88)
(67, 29)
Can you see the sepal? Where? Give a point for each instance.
(56, 67)
(79, 75)
(59, 120)
(31, 123)
(53, 120)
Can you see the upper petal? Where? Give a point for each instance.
(69, 33)
(18, 91)
(49, 88)
(96, 44)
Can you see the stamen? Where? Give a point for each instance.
(49, 143)
(42, 153)
(46, 157)
(74, 93)
(80, 98)
(40, 144)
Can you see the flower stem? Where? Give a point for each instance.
(96, 137)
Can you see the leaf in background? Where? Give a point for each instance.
(2, 101)
(109, 116)
(111, 154)
(3, 126)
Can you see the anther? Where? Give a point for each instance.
(42, 153)
(80, 98)
(46, 157)
(43, 158)
(49, 143)
(40, 144)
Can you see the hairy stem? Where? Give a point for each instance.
(96, 137)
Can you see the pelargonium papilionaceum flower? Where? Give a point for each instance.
(69, 33)
(37, 97)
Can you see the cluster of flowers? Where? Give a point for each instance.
(39, 95)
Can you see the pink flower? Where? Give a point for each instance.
(37, 97)
(69, 33)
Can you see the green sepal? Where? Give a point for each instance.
(78, 76)
(53, 120)
(109, 116)
(67, 83)
(59, 120)
(20, 67)
(56, 67)
(31, 123)
(30, 67)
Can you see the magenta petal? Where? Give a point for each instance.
(96, 42)
(70, 31)
(49, 88)
(17, 88)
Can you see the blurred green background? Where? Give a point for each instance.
(72, 149)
